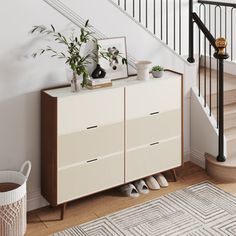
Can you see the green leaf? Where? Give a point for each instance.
(53, 28)
(86, 23)
(42, 52)
(124, 61)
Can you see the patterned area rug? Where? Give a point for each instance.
(199, 210)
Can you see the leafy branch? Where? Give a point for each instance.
(73, 56)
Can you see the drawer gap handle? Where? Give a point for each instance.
(92, 127)
(92, 160)
(156, 143)
(154, 113)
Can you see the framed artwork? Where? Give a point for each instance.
(116, 63)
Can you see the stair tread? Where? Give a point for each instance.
(229, 81)
(228, 109)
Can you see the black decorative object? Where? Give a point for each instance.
(99, 72)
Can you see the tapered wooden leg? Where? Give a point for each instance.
(63, 209)
(174, 174)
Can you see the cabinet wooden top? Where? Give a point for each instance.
(131, 80)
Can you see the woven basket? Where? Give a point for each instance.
(13, 202)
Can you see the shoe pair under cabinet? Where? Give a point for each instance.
(99, 139)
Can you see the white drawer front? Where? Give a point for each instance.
(88, 144)
(150, 97)
(85, 179)
(79, 112)
(153, 128)
(152, 159)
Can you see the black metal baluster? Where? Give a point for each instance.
(232, 33)
(140, 11)
(119, 2)
(220, 21)
(125, 5)
(174, 23)
(205, 66)
(217, 93)
(226, 26)
(210, 66)
(146, 14)
(180, 27)
(191, 33)
(199, 54)
(134, 8)
(199, 66)
(167, 22)
(161, 20)
(210, 80)
(154, 16)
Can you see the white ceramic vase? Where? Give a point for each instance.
(143, 70)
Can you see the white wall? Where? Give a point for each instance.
(22, 78)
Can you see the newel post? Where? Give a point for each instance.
(221, 55)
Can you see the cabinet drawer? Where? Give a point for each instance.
(92, 177)
(153, 128)
(84, 110)
(155, 96)
(88, 144)
(153, 159)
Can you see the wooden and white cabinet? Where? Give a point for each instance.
(95, 140)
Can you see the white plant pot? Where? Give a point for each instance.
(157, 74)
(143, 69)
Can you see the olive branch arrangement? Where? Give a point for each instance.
(73, 55)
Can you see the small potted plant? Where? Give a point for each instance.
(157, 71)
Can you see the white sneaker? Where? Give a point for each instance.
(129, 190)
(161, 180)
(141, 186)
(152, 183)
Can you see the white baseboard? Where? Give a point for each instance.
(35, 200)
(198, 158)
(187, 156)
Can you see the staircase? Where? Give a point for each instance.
(216, 88)
(224, 171)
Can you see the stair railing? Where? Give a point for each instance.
(163, 18)
(220, 54)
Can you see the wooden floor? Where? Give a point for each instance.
(45, 221)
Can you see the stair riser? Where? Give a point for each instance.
(224, 171)
(230, 121)
(231, 148)
(221, 173)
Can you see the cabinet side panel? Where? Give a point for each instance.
(49, 148)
